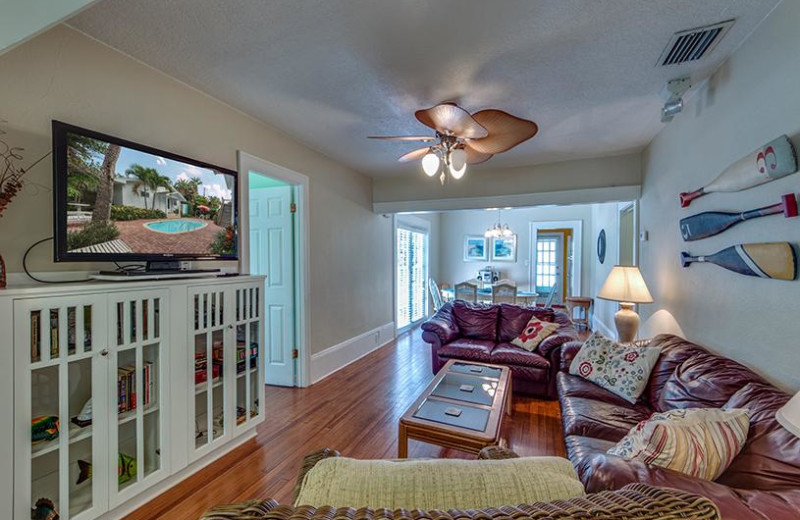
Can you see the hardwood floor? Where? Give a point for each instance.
(354, 411)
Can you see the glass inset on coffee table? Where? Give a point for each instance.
(461, 408)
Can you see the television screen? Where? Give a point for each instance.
(116, 200)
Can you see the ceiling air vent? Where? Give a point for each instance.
(693, 44)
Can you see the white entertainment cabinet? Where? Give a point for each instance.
(174, 369)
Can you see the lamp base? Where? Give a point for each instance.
(627, 322)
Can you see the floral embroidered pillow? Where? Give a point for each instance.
(621, 369)
(533, 333)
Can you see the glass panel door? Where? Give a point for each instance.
(209, 322)
(249, 379)
(412, 273)
(60, 367)
(137, 388)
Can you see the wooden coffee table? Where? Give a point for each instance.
(462, 408)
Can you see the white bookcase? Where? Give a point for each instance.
(174, 371)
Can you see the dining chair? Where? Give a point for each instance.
(466, 291)
(436, 294)
(553, 290)
(506, 281)
(504, 293)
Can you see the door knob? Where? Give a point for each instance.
(104, 352)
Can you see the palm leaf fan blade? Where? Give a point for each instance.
(449, 119)
(505, 131)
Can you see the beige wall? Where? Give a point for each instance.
(604, 172)
(750, 100)
(67, 76)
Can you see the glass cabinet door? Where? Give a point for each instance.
(208, 331)
(137, 389)
(61, 366)
(249, 372)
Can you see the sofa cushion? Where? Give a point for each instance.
(705, 380)
(476, 321)
(698, 442)
(576, 386)
(674, 351)
(438, 483)
(513, 319)
(770, 459)
(592, 418)
(508, 354)
(468, 349)
(622, 369)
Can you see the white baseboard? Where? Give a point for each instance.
(339, 356)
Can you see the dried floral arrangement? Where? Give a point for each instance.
(11, 173)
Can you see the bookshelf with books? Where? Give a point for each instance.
(92, 384)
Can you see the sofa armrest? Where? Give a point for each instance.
(497, 453)
(442, 324)
(568, 353)
(602, 471)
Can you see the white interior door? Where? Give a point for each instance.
(271, 255)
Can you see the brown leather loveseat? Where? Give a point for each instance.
(763, 482)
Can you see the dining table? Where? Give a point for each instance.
(485, 294)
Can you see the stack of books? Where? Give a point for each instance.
(241, 358)
(126, 387)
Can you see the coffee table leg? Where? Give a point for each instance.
(402, 442)
(509, 401)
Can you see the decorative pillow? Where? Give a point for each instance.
(699, 442)
(621, 369)
(533, 334)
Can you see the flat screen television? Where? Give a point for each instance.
(116, 200)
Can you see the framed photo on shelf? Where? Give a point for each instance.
(475, 248)
(504, 249)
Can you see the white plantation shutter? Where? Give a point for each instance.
(412, 274)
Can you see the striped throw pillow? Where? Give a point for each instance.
(699, 442)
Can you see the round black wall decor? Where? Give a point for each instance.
(601, 246)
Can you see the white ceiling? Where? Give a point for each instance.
(331, 72)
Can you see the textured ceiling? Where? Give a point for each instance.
(331, 72)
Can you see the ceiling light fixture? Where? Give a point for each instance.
(430, 164)
(498, 230)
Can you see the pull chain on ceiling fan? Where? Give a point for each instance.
(463, 139)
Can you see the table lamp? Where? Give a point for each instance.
(789, 415)
(626, 286)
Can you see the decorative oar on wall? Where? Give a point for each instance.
(776, 260)
(710, 223)
(772, 161)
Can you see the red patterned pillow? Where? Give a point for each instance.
(533, 334)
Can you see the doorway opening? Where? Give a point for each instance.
(275, 245)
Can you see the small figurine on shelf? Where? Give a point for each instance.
(44, 509)
(126, 469)
(84, 418)
(44, 428)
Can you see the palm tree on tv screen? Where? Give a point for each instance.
(150, 179)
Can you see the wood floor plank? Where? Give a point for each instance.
(356, 411)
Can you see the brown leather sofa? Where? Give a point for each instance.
(482, 333)
(763, 482)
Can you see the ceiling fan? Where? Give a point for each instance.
(462, 138)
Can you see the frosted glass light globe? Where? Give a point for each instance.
(430, 164)
(458, 163)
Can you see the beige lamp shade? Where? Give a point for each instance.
(789, 415)
(625, 284)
